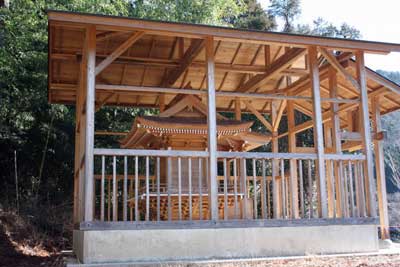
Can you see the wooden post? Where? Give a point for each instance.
(318, 132)
(329, 170)
(277, 206)
(380, 171)
(366, 134)
(90, 109)
(293, 182)
(238, 111)
(337, 144)
(212, 131)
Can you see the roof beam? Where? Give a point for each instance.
(282, 63)
(259, 116)
(336, 64)
(64, 19)
(117, 52)
(187, 59)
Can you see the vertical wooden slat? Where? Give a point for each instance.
(318, 132)
(125, 189)
(362, 189)
(235, 192)
(265, 193)
(200, 189)
(212, 130)
(357, 188)
(147, 189)
(115, 185)
(301, 188)
(102, 188)
(243, 186)
(190, 188)
(180, 188)
(345, 192)
(90, 64)
(108, 199)
(137, 188)
(351, 189)
(255, 210)
(310, 189)
(225, 190)
(283, 190)
(169, 186)
(366, 134)
(158, 188)
(130, 196)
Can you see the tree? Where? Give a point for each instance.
(288, 10)
(254, 17)
(321, 27)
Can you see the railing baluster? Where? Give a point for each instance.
(180, 188)
(300, 164)
(363, 200)
(125, 194)
(283, 190)
(225, 190)
(108, 199)
(357, 189)
(147, 189)
(346, 193)
(130, 197)
(200, 189)
(137, 188)
(275, 189)
(235, 192)
(255, 190)
(265, 193)
(333, 187)
(190, 188)
(158, 188)
(102, 188)
(244, 187)
(169, 186)
(310, 190)
(115, 200)
(351, 189)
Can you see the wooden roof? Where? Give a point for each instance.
(171, 55)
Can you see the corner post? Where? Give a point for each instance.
(212, 130)
(318, 132)
(380, 171)
(90, 63)
(366, 134)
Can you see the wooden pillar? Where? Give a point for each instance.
(238, 111)
(293, 181)
(89, 125)
(329, 169)
(318, 131)
(277, 205)
(212, 131)
(380, 171)
(366, 134)
(337, 144)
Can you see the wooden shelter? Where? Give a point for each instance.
(190, 166)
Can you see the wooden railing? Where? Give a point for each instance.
(166, 185)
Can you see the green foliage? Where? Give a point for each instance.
(321, 27)
(254, 17)
(212, 12)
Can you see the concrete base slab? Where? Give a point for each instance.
(162, 245)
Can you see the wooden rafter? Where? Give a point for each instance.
(119, 51)
(190, 54)
(282, 63)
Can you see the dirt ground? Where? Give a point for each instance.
(22, 246)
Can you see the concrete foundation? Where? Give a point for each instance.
(160, 245)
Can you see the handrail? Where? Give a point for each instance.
(222, 154)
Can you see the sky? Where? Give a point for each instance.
(377, 21)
